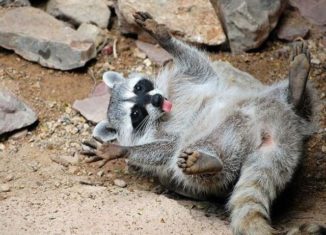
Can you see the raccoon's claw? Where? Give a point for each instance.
(156, 30)
(299, 47)
(90, 144)
(142, 16)
(89, 148)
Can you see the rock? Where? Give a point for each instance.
(94, 108)
(248, 22)
(4, 188)
(120, 183)
(14, 114)
(93, 34)
(19, 135)
(313, 10)
(2, 147)
(323, 148)
(204, 28)
(65, 160)
(107, 50)
(9, 178)
(77, 12)
(100, 173)
(14, 3)
(315, 61)
(39, 37)
(154, 53)
(290, 31)
(147, 62)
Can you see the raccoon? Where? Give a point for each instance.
(204, 134)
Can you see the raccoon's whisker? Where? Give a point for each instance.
(143, 124)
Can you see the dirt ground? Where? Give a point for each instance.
(50, 196)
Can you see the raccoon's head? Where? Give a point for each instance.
(135, 105)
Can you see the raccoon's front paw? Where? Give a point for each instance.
(106, 151)
(197, 162)
(156, 30)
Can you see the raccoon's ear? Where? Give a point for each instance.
(103, 133)
(111, 78)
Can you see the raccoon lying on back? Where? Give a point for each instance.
(220, 133)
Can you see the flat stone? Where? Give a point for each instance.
(94, 108)
(77, 12)
(248, 22)
(313, 10)
(154, 53)
(14, 114)
(39, 37)
(193, 20)
(289, 30)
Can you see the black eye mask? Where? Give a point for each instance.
(137, 115)
(143, 86)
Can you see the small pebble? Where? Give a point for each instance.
(315, 61)
(2, 147)
(4, 188)
(147, 62)
(120, 183)
(100, 173)
(9, 178)
(323, 148)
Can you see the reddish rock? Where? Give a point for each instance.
(94, 108)
(290, 30)
(313, 10)
(154, 53)
(193, 20)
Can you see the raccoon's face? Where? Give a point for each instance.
(135, 104)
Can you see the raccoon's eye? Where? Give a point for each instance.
(143, 86)
(138, 88)
(135, 114)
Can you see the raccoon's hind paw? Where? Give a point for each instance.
(299, 72)
(197, 162)
(156, 30)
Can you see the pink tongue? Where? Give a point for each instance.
(166, 106)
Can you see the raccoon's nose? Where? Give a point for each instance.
(157, 100)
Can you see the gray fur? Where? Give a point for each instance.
(251, 128)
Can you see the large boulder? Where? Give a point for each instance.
(193, 20)
(39, 37)
(248, 22)
(77, 12)
(14, 114)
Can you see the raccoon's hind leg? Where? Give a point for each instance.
(198, 162)
(298, 75)
(189, 60)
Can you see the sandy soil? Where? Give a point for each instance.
(79, 198)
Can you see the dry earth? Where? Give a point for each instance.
(73, 197)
